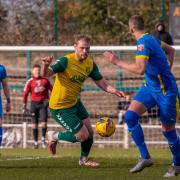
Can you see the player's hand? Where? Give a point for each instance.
(47, 60)
(24, 109)
(120, 93)
(8, 107)
(110, 57)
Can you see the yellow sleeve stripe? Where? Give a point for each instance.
(142, 56)
(162, 85)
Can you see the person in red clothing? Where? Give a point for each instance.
(38, 87)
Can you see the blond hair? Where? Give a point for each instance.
(82, 37)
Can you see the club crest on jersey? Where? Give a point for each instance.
(88, 70)
(140, 47)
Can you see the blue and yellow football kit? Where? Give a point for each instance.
(160, 85)
(3, 75)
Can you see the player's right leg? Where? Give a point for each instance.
(142, 101)
(54, 137)
(173, 139)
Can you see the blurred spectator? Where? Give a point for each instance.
(162, 34)
(39, 88)
(123, 105)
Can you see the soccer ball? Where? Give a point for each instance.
(105, 127)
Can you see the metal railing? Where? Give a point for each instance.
(124, 139)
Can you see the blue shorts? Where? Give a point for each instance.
(167, 104)
(1, 110)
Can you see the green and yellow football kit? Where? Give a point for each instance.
(64, 104)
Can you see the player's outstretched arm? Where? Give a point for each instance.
(106, 87)
(46, 71)
(137, 68)
(169, 51)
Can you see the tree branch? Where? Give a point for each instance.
(113, 19)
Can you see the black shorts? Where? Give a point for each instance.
(39, 111)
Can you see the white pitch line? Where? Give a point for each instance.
(28, 158)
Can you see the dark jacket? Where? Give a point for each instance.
(163, 35)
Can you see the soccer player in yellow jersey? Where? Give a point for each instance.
(65, 106)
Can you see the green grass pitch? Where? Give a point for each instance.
(37, 164)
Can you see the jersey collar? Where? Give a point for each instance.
(142, 35)
(36, 78)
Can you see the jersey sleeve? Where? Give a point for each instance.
(27, 89)
(143, 50)
(3, 74)
(49, 85)
(60, 65)
(169, 39)
(95, 74)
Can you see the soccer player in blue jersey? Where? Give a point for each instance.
(4, 85)
(159, 89)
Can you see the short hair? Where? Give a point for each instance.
(36, 66)
(82, 37)
(137, 21)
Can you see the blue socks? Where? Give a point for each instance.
(1, 135)
(132, 120)
(174, 145)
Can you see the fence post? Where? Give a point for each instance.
(24, 135)
(119, 83)
(28, 65)
(126, 137)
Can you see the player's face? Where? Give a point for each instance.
(36, 72)
(160, 28)
(82, 49)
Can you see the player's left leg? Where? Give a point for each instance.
(1, 131)
(168, 114)
(43, 117)
(87, 144)
(35, 121)
(132, 119)
(1, 115)
(35, 134)
(44, 130)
